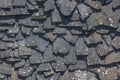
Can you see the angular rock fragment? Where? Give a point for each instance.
(84, 11)
(49, 5)
(59, 65)
(25, 71)
(75, 15)
(71, 57)
(70, 38)
(66, 7)
(31, 7)
(39, 30)
(5, 69)
(20, 64)
(26, 30)
(49, 73)
(33, 2)
(6, 54)
(112, 58)
(42, 44)
(60, 31)
(36, 57)
(116, 42)
(3, 45)
(48, 54)
(5, 3)
(81, 47)
(48, 24)
(19, 2)
(19, 36)
(44, 67)
(93, 58)
(60, 46)
(7, 21)
(79, 65)
(56, 16)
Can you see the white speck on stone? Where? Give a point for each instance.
(98, 70)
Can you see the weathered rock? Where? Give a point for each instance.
(44, 67)
(60, 31)
(60, 46)
(48, 54)
(20, 64)
(84, 11)
(5, 69)
(116, 42)
(25, 71)
(49, 73)
(19, 3)
(75, 15)
(5, 3)
(36, 57)
(71, 57)
(39, 30)
(81, 47)
(81, 64)
(66, 7)
(26, 30)
(49, 5)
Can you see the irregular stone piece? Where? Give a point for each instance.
(36, 57)
(5, 3)
(42, 44)
(7, 21)
(116, 42)
(112, 58)
(60, 46)
(33, 2)
(84, 11)
(71, 57)
(26, 30)
(75, 15)
(79, 65)
(6, 54)
(70, 38)
(48, 54)
(49, 5)
(48, 24)
(49, 73)
(39, 30)
(93, 58)
(44, 67)
(19, 2)
(5, 69)
(56, 16)
(25, 71)
(59, 65)
(3, 45)
(81, 47)
(20, 64)
(66, 7)
(60, 31)
(66, 76)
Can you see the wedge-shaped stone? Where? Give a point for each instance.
(5, 3)
(48, 54)
(42, 44)
(84, 11)
(19, 2)
(116, 42)
(93, 58)
(25, 71)
(49, 5)
(70, 59)
(81, 64)
(44, 67)
(66, 7)
(59, 65)
(61, 46)
(48, 24)
(112, 58)
(81, 47)
(36, 57)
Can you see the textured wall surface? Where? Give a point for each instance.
(59, 39)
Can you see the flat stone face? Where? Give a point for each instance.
(66, 7)
(5, 69)
(116, 43)
(26, 71)
(81, 47)
(49, 5)
(84, 10)
(5, 3)
(19, 3)
(61, 46)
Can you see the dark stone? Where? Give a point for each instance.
(70, 38)
(81, 47)
(5, 3)
(49, 5)
(60, 46)
(79, 65)
(42, 44)
(19, 2)
(116, 42)
(71, 57)
(84, 11)
(5, 69)
(36, 57)
(48, 24)
(55, 76)
(19, 36)
(56, 16)
(44, 67)
(66, 7)
(59, 65)
(93, 58)
(25, 71)
(48, 54)
(49, 73)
